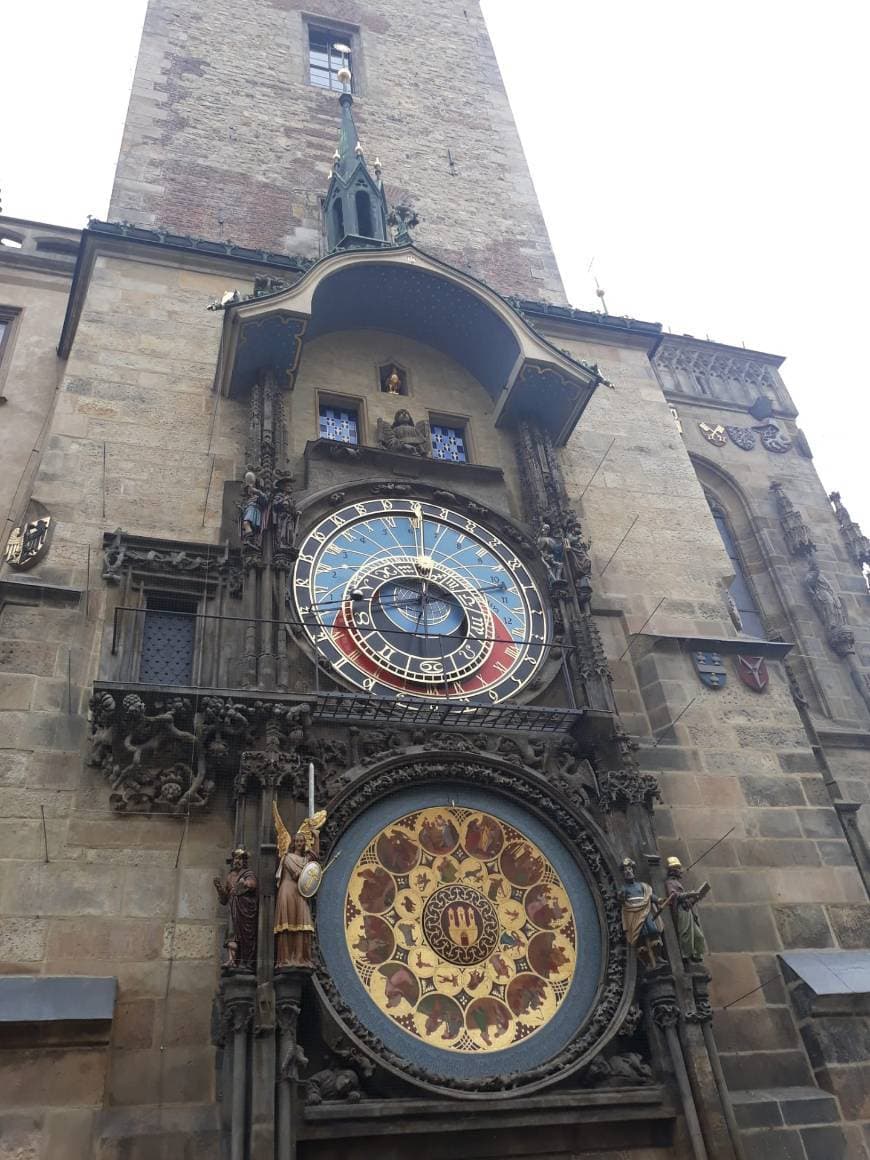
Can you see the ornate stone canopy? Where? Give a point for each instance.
(404, 291)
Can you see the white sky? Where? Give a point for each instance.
(710, 157)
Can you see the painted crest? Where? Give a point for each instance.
(710, 668)
(310, 877)
(772, 439)
(752, 671)
(743, 437)
(28, 543)
(714, 435)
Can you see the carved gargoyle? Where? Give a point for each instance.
(330, 1085)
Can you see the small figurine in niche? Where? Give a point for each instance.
(403, 434)
(642, 926)
(283, 512)
(682, 903)
(253, 507)
(393, 383)
(238, 892)
(297, 866)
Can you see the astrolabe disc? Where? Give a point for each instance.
(310, 877)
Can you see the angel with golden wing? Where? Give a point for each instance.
(293, 923)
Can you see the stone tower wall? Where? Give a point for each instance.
(226, 138)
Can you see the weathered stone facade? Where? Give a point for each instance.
(124, 790)
(215, 148)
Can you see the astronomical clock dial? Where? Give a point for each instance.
(410, 599)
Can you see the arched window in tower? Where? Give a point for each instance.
(363, 215)
(337, 222)
(740, 591)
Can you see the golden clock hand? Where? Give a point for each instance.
(424, 563)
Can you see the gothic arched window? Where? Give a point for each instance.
(364, 215)
(740, 591)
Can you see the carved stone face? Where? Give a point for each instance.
(240, 860)
(628, 870)
(403, 419)
(298, 844)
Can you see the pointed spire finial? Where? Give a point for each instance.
(344, 74)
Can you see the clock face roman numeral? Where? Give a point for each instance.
(408, 599)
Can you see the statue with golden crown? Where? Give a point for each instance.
(298, 876)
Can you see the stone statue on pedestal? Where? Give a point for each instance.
(238, 892)
(643, 928)
(297, 877)
(682, 903)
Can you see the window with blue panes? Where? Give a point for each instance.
(449, 443)
(339, 423)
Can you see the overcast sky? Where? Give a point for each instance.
(711, 158)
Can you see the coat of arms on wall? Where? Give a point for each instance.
(710, 668)
(772, 439)
(714, 435)
(752, 671)
(743, 437)
(28, 543)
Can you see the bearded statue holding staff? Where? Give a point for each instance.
(298, 876)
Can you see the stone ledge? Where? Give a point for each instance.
(37, 591)
(401, 464)
(731, 646)
(50, 999)
(774, 1107)
(834, 978)
(387, 1117)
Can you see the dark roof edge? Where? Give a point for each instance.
(163, 239)
(173, 241)
(594, 318)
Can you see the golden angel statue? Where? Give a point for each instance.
(298, 876)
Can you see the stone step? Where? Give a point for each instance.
(789, 1106)
(790, 1123)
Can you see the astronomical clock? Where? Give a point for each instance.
(461, 930)
(411, 599)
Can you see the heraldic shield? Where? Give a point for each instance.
(710, 668)
(752, 671)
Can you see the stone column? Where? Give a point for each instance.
(238, 993)
(701, 1016)
(665, 1010)
(288, 1003)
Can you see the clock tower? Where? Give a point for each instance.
(400, 682)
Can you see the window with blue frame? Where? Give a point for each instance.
(449, 443)
(339, 423)
(741, 593)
